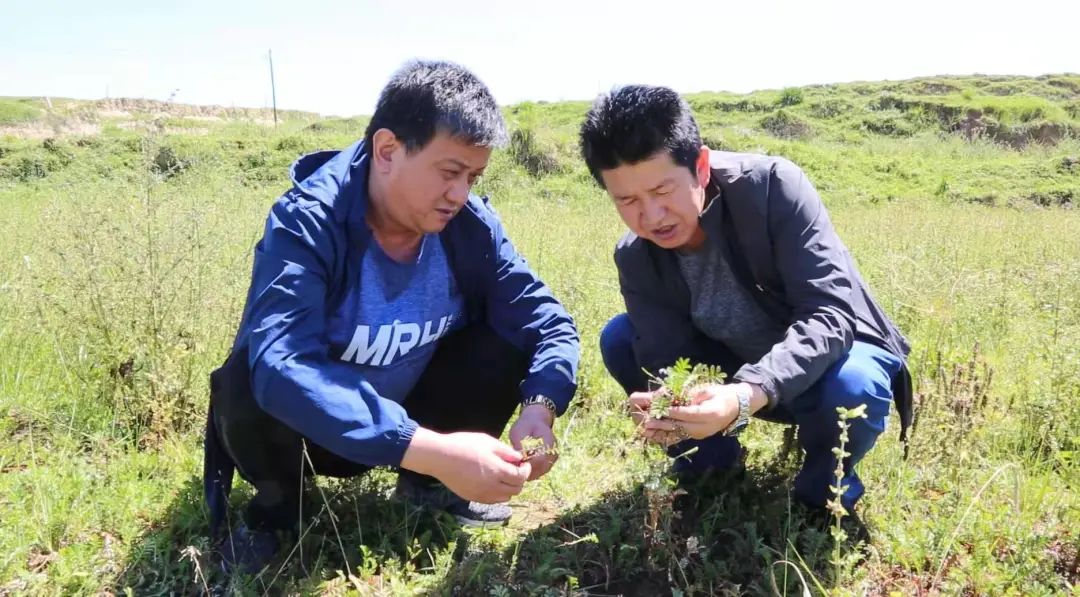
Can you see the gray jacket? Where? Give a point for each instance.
(777, 237)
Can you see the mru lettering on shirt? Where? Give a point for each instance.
(393, 341)
(393, 315)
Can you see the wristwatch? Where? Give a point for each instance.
(542, 400)
(743, 393)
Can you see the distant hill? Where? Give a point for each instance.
(1012, 110)
(984, 139)
(1015, 110)
(46, 117)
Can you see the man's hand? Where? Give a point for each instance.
(535, 421)
(475, 466)
(712, 409)
(640, 403)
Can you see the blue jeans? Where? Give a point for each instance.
(862, 376)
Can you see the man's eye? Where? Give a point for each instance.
(473, 178)
(449, 174)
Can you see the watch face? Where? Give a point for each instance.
(735, 429)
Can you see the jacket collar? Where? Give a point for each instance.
(337, 178)
(712, 216)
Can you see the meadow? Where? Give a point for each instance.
(125, 253)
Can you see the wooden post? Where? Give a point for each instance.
(273, 89)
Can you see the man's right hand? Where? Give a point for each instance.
(640, 402)
(475, 466)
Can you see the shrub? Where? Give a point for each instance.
(784, 125)
(527, 151)
(790, 97)
(830, 108)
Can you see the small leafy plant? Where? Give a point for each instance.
(677, 381)
(532, 447)
(673, 388)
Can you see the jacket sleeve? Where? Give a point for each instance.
(813, 267)
(292, 375)
(522, 309)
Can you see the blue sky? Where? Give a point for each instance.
(333, 56)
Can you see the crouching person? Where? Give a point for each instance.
(389, 321)
(731, 260)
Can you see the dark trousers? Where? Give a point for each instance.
(471, 384)
(863, 376)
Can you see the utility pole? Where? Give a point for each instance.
(273, 89)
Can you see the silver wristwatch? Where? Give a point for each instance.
(543, 400)
(743, 393)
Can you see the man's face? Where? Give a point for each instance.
(426, 188)
(659, 200)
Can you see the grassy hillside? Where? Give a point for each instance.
(124, 259)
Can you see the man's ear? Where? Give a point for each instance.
(704, 172)
(384, 149)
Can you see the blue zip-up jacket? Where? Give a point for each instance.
(312, 248)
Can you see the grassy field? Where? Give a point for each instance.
(124, 259)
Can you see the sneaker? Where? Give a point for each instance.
(248, 551)
(433, 494)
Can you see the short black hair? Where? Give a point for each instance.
(633, 123)
(424, 97)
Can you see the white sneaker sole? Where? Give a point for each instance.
(481, 524)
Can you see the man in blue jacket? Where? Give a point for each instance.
(390, 321)
(731, 260)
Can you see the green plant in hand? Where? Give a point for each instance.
(677, 381)
(532, 447)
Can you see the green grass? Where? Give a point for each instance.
(18, 111)
(125, 257)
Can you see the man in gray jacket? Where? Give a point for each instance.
(731, 260)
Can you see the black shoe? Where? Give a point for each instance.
(422, 492)
(857, 531)
(248, 551)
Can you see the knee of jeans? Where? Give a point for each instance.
(855, 384)
(616, 339)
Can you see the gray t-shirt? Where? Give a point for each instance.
(722, 309)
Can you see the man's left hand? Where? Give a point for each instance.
(712, 408)
(535, 421)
